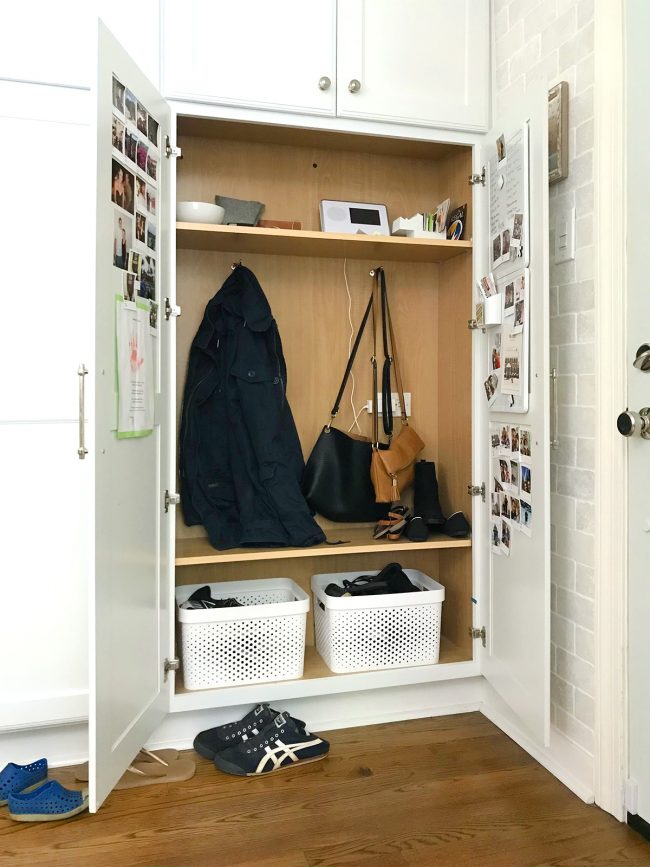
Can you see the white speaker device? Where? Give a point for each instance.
(353, 218)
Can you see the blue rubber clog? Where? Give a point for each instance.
(47, 803)
(21, 778)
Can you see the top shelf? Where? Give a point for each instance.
(294, 242)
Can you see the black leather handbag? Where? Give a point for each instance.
(337, 482)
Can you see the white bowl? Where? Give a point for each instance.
(199, 212)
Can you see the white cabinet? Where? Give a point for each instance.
(45, 333)
(418, 62)
(278, 55)
(422, 62)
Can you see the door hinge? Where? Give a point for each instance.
(473, 325)
(172, 151)
(477, 179)
(171, 665)
(171, 309)
(473, 632)
(171, 500)
(477, 490)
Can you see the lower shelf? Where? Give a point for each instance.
(319, 680)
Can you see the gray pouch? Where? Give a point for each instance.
(240, 212)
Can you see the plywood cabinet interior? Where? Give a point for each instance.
(291, 171)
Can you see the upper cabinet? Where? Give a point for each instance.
(279, 56)
(421, 62)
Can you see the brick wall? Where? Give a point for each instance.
(553, 40)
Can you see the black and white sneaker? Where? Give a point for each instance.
(285, 743)
(212, 741)
(202, 599)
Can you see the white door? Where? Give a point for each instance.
(129, 695)
(417, 61)
(638, 333)
(515, 590)
(279, 56)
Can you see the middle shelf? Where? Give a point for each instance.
(355, 540)
(300, 242)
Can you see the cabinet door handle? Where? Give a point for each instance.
(555, 441)
(354, 86)
(82, 451)
(324, 82)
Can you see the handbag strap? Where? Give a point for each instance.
(353, 354)
(390, 359)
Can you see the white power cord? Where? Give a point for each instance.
(347, 289)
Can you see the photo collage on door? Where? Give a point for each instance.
(511, 503)
(135, 167)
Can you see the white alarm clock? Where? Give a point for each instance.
(352, 218)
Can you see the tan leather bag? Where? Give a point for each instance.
(392, 465)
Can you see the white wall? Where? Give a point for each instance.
(554, 40)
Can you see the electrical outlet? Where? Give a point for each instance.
(397, 409)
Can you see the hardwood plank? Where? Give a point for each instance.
(243, 240)
(445, 791)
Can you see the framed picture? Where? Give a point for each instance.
(558, 132)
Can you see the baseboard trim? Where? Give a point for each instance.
(566, 761)
(640, 825)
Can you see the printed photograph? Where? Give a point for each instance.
(505, 505)
(141, 120)
(494, 441)
(526, 518)
(496, 507)
(511, 369)
(494, 537)
(515, 509)
(505, 438)
(151, 236)
(151, 200)
(152, 131)
(135, 263)
(148, 278)
(490, 385)
(501, 148)
(517, 227)
(153, 315)
(505, 471)
(143, 150)
(141, 228)
(525, 480)
(130, 107)
(122, 186)
(487, 287)
(129, 286)
(118, 134)
(495, 355)
(496, 248)
(140, 194)
(505, 242)
(525, 443)
(118, 95)
(514, 439)
(505, 536)
(514, 474)
(122, 235)
(519, 315)
(131, 145)
(498, 487)
(509, 299)
(152, 167)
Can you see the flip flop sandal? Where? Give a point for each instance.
(161, 757)
(393, 525)
(48, 803)
(21, 778)
(149, 773)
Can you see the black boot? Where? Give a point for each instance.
(425, 502)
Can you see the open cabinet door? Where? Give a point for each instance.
(516, 584)
(129, 621)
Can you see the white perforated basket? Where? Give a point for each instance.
(262, 641)
(393, 630)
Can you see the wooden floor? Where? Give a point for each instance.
(447, 791)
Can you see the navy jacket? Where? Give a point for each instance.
(240, 458)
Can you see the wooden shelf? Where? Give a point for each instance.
(319, 680)
(356, 540)
(244, 239)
